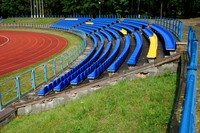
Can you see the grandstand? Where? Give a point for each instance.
(118, 33)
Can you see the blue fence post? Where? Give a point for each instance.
(74, 53)
(61, 62)
(67, 59)
(180, 36)
(45, 72)
(189, 40)
(177, 28)
(1, 103)
(33, 79)
(185, 122)
(173, 27)
(54, 66)
(18, 87)
(160, 21)
(166, 23)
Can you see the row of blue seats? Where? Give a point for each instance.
(106, 63)
(93, 29)
(127, 27)
(101, 37)
(105, 20)
(93, 67)
(95, 40)
(136, 53)
(148, 32)
(67, 76)
(87, 68)
(115, 33)
(70, 23)
(45, 90)
(68, 79)
(107, 35)
(88, 31)
(65, 80)
(116, 28)
(170, 42)
(117, 63)
(91, 26)
(135, 25)
(145, 24)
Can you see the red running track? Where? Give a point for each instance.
(26, 48)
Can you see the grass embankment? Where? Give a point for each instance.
(31, 20)
(140, 106)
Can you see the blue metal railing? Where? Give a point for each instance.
(45, 16)
(188, 121)
(14, 88)
(173, 25)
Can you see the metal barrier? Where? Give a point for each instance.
(173, 25)
(46, 16)
(188, 121)
(80, 16)
(14, 88)
(141, 17)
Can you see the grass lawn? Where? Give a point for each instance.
(140, 106)
(31, 20)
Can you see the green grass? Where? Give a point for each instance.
(31, 20)
(140, 106)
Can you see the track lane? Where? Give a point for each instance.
(27, 48)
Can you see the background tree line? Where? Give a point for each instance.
(165, 8)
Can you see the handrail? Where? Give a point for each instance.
(188, 121)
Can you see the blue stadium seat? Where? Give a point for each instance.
(148, 32)
(135, 25)
(106, 63)
(95, 40)
(145, 24)
(88, 68)
(170, 42)
(70, 23)
(108, 36)
(127, 27)
(101, 37)
(136, 53)
(115, 33)
(116, 64)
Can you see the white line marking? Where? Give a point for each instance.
(4, 42)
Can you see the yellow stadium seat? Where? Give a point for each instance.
(89, 23)
(123, 31)
(153, 49)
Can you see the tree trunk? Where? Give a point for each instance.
(161, 8)
(138, 9)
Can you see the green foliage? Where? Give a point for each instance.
(141, 106)
(171, 8)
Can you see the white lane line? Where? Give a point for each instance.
(4, 42)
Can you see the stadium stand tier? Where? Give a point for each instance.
(111, 53)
